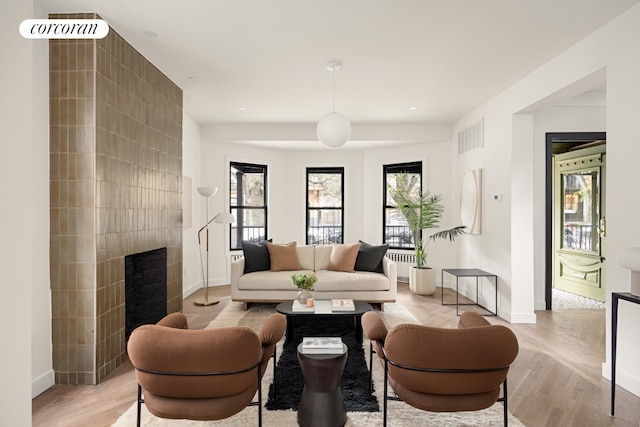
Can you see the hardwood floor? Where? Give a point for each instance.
(556, 379)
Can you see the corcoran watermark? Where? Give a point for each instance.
(64, 29)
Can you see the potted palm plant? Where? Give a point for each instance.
(422, 211)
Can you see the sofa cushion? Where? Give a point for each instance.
(305, 257)
(370, 257)
(256, 256)
(283, 257)
(343, 257)
(269, 280)
(321, 256)
(340, 281)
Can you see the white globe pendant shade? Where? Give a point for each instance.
(334, 130)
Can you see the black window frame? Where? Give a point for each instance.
(233, 204)
(395, 168)
(340, 236)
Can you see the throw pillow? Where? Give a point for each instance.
(370, 257)
(343, 257)
(283, 257)
(256, 256)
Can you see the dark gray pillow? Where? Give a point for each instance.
(370, 257)
(256, 256)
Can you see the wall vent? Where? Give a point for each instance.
(471, 137)
(235, 257)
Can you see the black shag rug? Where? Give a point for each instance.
(355, 378)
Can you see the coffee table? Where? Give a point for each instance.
(360, 308)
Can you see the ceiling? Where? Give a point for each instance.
(403, 61)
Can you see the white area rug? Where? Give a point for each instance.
(399, 414)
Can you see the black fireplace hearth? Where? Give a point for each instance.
(145, 288)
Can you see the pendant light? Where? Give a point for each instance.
(334, 129)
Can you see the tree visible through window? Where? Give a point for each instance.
(396, 231)
(325, 201)
(248, 202)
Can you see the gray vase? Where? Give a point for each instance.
(303, 294)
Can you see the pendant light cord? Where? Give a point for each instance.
(333, 73)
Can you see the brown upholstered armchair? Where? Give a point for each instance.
(206, 374)
(443, 370)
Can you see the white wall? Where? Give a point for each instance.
(21, 217)
(191, 167)
(616, 49)
(42, 372)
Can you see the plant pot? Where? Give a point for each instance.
(422, 281)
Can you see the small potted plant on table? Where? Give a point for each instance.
(304, 283)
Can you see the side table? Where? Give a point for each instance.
(616, 297)
(469, 272)
(321, 403)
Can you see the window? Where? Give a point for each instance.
(396, 232)
(325, 201)
(248, 202)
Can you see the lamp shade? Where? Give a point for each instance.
(224, 218)
(334, 130)
(630, 259)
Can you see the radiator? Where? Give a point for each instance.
(404, 261)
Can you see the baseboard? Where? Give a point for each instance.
(625, 379)
(196, 286)
(186, 291)
(43, 383)
(540, 305)
(522, 318)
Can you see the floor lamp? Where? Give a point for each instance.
(221, 218)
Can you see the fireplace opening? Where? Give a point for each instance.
(145, 280)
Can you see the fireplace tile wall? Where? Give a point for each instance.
(115, 168)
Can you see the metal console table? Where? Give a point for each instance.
(469, 272)
(616, 297)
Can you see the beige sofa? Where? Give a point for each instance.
(267, 286)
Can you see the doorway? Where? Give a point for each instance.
(566, 247)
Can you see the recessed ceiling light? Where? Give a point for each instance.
(413, 107)
(193, 78)
(150, 33)
(242, 108)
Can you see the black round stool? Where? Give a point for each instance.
(321, 404)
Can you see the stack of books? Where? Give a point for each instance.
(296, 307)
(322, 345)
(342, 305)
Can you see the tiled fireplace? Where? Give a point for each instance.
(115, 176)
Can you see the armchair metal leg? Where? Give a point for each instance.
(260, 395)
(370, 367)
(273, 392)
(504, 403)
(384, 411)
